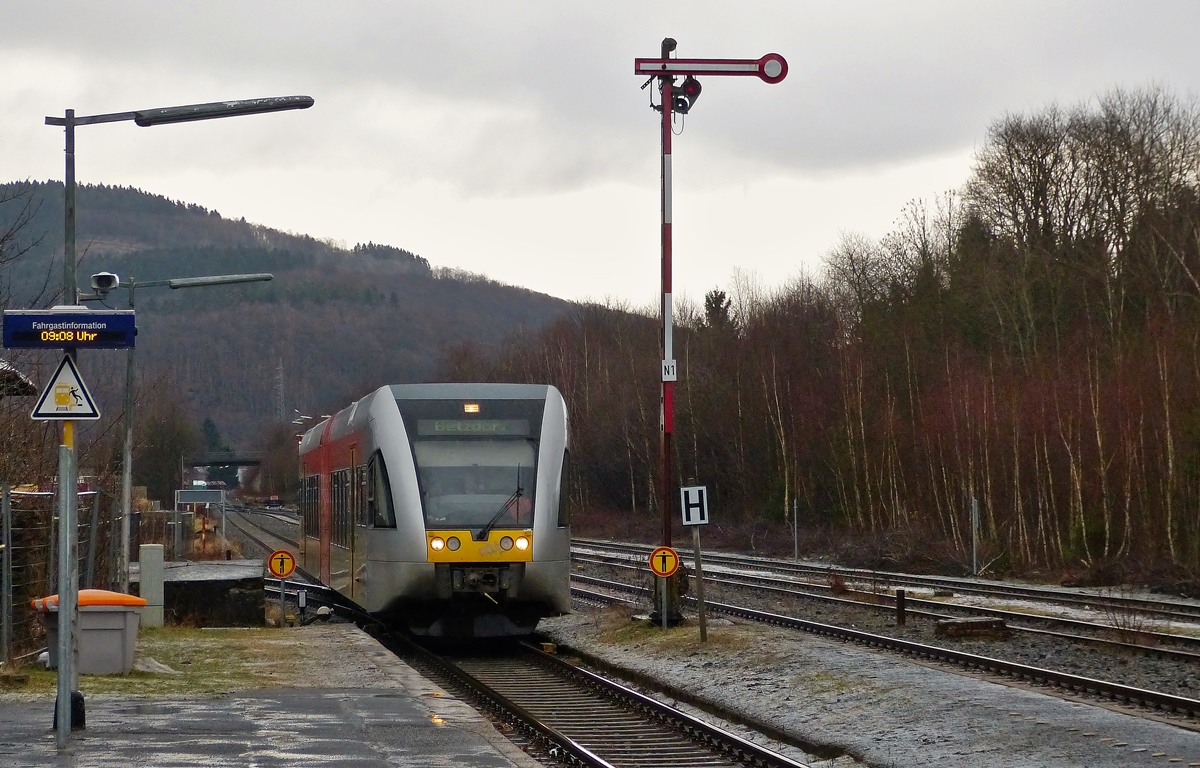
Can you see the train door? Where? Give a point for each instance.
(353, 516)
(303, 499)
(325, 502)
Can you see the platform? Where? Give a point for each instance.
(372, 710)
(220, 593)
(204, 570)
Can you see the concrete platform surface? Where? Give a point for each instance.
(205, 570)
(348, 702)
(283, 727)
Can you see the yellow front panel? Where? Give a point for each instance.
(471, 551)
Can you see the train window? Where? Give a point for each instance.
(337, 498)
(341, 507)
(379, 494)
(360, 482)
(466, 483)
(314, 505)
(564, 492)
(475, 467)
(308, 506)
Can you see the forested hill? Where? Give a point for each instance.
(334, 322)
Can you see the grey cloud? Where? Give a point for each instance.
(541, 96)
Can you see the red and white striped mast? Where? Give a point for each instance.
(771, 68)
(669, 373)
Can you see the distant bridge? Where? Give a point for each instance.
(225, 459)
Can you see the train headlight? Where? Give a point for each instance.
(506, 543)
(522, 543)
(436, 544)
(453, 543)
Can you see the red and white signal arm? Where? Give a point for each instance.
(770, 68)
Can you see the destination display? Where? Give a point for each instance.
(56, 329)
(472, 427)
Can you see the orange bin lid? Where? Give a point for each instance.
(89, 597)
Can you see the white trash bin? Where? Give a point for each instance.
(108, 628)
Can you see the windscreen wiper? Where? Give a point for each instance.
(508, 504)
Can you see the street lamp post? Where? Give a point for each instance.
(127, 450)
(67, 571)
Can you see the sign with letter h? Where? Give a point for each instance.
(694, 502)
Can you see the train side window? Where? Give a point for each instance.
(339, 508)
(564, 492)
(308, 500)
(360, 480)
(379, 494)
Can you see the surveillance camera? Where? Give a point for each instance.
(103, 282)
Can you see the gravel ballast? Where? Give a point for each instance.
(884, 710)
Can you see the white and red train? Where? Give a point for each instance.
(442, 506)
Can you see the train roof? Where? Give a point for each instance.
(349, 418)
(461, 391)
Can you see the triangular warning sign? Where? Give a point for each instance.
(66, 397)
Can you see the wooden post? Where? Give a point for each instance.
(662, 591)
(900, 608)
(699, 583)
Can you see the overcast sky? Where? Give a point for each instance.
(512, 139)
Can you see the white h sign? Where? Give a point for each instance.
(694, 502)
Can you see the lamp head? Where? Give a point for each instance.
(684, 95)
(103, 282)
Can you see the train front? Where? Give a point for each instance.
(486, 466)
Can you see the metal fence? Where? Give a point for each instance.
(174, 529)
(28, 566)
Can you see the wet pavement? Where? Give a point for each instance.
(283, 727)
(352, 704)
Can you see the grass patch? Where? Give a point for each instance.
(821, 682)
(209, 661)
(616, 627)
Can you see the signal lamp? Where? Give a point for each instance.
(436, 545)
(470, 407)
(522, 543)
(684, 96)
(506, 543)
(453, 544)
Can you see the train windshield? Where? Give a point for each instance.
(476, 467)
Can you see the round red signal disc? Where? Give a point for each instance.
(664, 561)
(772, 68)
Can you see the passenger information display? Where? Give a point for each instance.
(59, 329)
(473, 427)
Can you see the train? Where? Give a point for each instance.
(442, 507)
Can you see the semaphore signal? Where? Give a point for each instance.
(771, 68)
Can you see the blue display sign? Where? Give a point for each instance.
(66, 329)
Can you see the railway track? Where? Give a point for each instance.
(572, 715)
(266, 538)
(566, 713)
(1183, 648)
(1164, 609)
(1066, 682)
